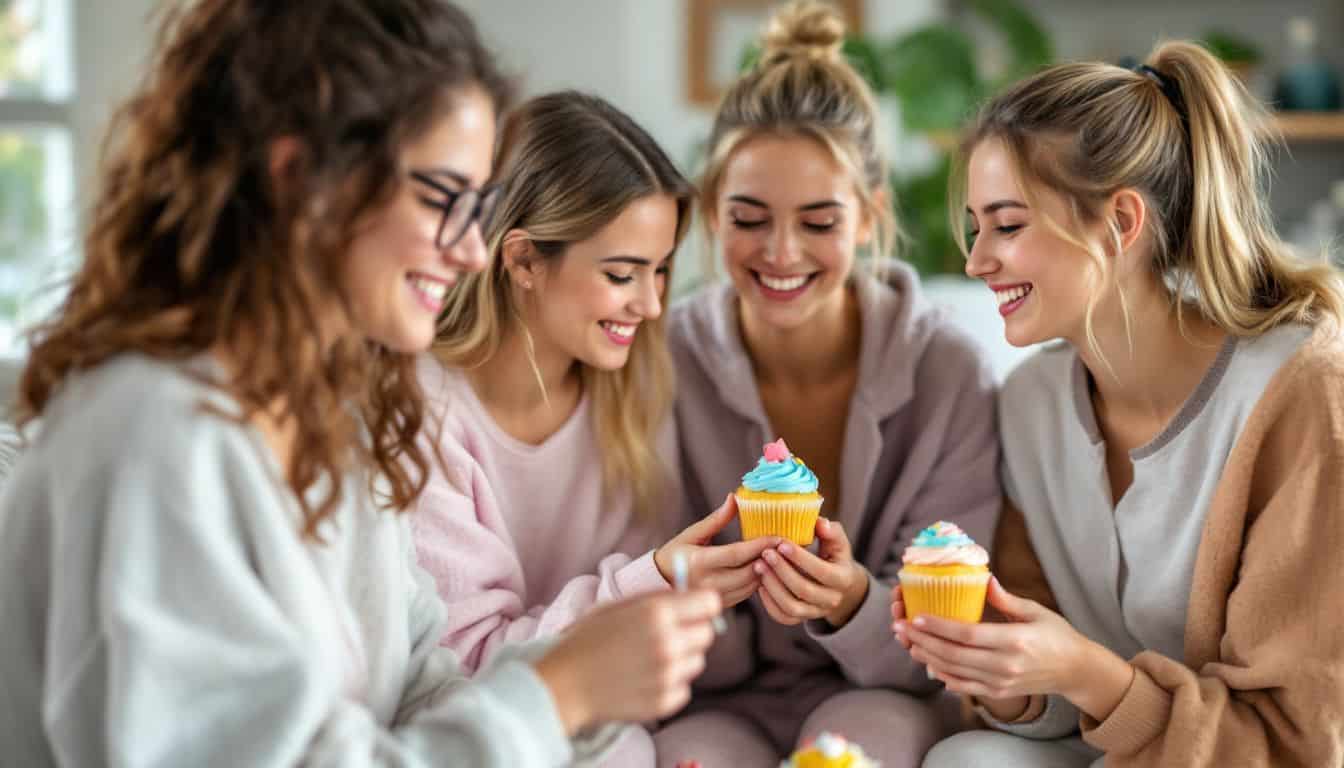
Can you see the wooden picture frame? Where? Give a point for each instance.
(718, 30)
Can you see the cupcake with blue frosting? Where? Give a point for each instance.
(778, 497)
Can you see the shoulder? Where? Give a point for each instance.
(151, 431)
(697, 320)
(1309, 386)
(133, 405)
(1045, 374)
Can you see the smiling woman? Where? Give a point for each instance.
(891, 405)
(551, 395)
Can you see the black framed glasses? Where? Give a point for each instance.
(460, 207)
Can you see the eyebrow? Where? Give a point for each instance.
(997, 206)
(638, 261)
(818, 205)
(449, 174)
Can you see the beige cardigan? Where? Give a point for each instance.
(1262, 682)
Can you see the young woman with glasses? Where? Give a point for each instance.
(551, 392)
(201, 556)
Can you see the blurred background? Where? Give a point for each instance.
(64, 64)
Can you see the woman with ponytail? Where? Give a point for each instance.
(845, 360)
(1167, 559)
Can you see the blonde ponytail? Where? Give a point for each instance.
(1187, 135)
(1247, 279)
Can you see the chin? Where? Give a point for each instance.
(406, 341)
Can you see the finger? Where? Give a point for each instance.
(897, 603)
(830, 573)
(704, 529)
(728, 580)
(696, 605)
(980, 635)
(772, 608)
(960, 684)
(786, 600)
(805, 589)
(733, 598)
(1011, 606)
(921, 655)
(834, 540)
(692, 640)
(733, 555)
(936, 650)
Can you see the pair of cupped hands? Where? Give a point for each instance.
(794, 584)
(635, 660)
(1024, 649)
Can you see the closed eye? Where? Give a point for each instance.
(619, 279)
(811, 227)
(748, 223)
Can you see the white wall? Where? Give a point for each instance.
(112, 42)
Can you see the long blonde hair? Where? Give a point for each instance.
(571, 164)
(1190, 138)
(803, 86)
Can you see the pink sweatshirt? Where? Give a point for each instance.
(521, 543)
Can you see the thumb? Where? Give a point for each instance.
(834, 541)
(1011, 606)
(707, 527)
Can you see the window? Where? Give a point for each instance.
(37, 195)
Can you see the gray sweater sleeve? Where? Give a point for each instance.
(1057, 720)
(191, 662)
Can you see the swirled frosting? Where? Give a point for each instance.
(943, 543)
(779, 471)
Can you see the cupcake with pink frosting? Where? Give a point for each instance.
(944, 574)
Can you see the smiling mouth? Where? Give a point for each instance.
(430, 290)
(788, 285)
(622, 333)
(1010, 295)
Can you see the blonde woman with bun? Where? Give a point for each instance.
(820, 338)
(1168, 558)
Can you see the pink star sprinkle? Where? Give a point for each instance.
(777, 451)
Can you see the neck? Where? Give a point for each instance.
(276, 424)
(508, 382)
(807, 354)
(1153, 375)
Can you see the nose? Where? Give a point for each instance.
(979, 262)
(468, 253)
(648, 303)
(782, 247)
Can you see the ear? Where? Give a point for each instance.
(282, 160)
(1129, 214)
(711, 214)
(520, 259)
(868, 222)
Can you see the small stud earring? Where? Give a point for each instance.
(527, 285)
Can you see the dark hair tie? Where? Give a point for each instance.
(1170, 88)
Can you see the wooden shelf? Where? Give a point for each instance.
(1295, 127)
(1310, 126)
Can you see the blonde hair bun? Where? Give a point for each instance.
(804, 27)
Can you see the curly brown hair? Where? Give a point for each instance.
(192, 246)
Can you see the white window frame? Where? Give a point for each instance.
(50, 118)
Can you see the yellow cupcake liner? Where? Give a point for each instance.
(793, 519)
(960, 598)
